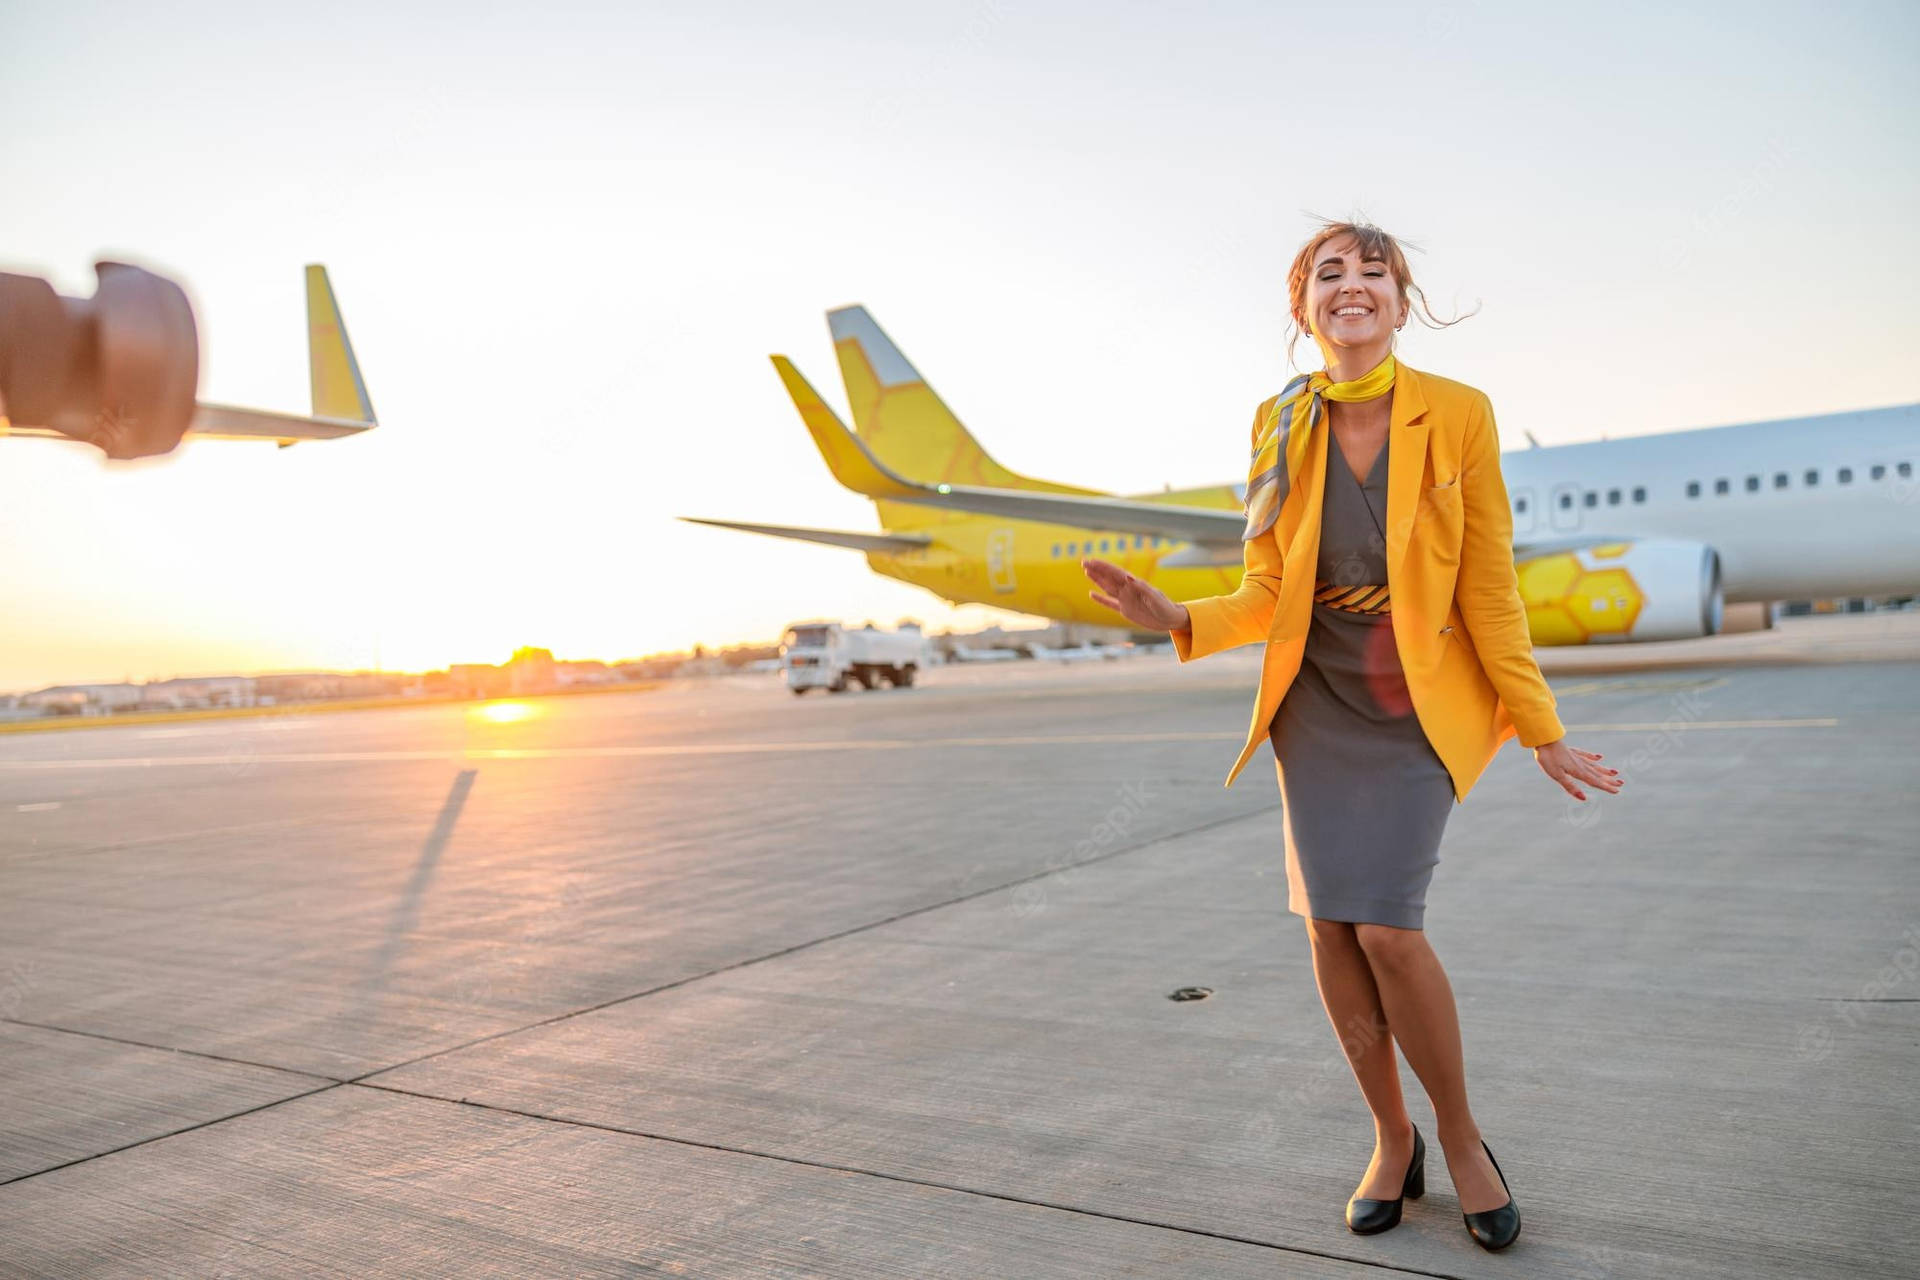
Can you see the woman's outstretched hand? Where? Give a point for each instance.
(1570, 766)
(1135, 599)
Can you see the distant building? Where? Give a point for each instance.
(192, 692)
(574, 674)
(478, 680)
(320, 686)
(82, 699)
(530, 671)
(654, 668)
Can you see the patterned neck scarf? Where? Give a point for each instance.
(1280, 449)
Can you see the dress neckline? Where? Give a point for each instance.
(1339, 459)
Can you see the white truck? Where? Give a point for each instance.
(825, 655)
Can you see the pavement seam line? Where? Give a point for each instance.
(167, 1048)
(333, 1082)
(898, 1177)
(171, 1133)
(814, 942)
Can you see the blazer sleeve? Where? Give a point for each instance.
(1245, 616)
(1487, 589)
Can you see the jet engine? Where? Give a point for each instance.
(1622, 592)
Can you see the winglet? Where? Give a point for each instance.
(339, 392)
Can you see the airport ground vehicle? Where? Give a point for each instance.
(825, 655)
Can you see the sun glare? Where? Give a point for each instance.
(505, 712)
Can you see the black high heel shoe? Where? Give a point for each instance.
(1366, 1216)
(1494, 1228)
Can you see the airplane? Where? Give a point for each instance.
(1073, 653)
(341, 406)
(1636, 539)
(961, 653)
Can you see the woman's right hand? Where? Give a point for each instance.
(1135, 599)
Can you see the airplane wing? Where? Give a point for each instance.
(855, 466)
(341, 406)
(884, 542)
(225, 422)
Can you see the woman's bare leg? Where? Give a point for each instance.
(1353, 1005)
(1418, 1001)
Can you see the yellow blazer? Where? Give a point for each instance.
(1459, 625)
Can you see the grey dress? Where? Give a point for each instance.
(1366, 798)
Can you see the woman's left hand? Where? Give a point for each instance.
(1570, 766)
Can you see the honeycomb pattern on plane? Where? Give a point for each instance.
(1570, 601)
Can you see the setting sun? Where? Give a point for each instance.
(505, 712)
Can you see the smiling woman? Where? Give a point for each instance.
(1377, 537)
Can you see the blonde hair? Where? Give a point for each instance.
(1373, 243)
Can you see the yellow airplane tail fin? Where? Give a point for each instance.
(339, 392)
(908, 427)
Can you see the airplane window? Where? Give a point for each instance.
(1056, 551)
(1138, 542)
(1693, 488)
(1566, 500)
(1073, 548)
(1103, 544)
(1720, 485)
(1592, 498)
(1844, 475)
(1753, 484)
(1520, 505)
(1813, 475)
(1779, 479)
(1904, 468)
(1639, 493)
(1156, 539)
(1613, 497)
(1878, 471)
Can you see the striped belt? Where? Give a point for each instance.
(1366, 598)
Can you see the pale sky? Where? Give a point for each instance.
(566, 240)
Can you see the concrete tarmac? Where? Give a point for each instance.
(716, 981)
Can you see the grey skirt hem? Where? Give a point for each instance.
(1401, 915)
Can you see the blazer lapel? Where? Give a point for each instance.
(1300, 533)
(1406, 463)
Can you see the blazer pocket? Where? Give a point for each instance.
(1442, 522)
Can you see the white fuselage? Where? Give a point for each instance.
(1778, 541)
